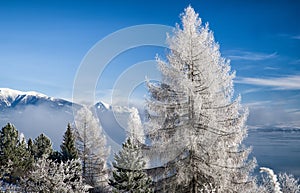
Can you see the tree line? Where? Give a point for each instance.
(79, 166)
(33, 165)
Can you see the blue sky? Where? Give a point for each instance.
(42, 44)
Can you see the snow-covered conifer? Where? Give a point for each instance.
(194, 124)
(128, 173)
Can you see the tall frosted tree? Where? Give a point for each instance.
(91, 144)
(194, 124)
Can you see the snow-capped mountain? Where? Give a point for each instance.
(34, 113)
(10, 99)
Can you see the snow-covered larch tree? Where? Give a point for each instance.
(91, 144)
(194, 124)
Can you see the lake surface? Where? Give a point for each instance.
(278, 149)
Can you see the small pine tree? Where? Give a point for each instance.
(128, 175)
(42, 146)
(30, 146)
(68, 148)
(25, 160)
(8, 143)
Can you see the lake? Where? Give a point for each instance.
(278, 149)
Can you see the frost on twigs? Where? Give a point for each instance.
(49, 176)
(283, 183)
(274, 184)
(289, 183)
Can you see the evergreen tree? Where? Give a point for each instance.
(25, 160)
(5, 169)
(91, 144)
(56, 156)
(42, 146)
(68, 147)
(195, 127)
(9, 139)
(13, 154)
(128, 175)
(30, 146)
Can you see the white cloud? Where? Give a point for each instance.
(291, 82)
(246, 55)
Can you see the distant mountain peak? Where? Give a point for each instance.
(102, 106)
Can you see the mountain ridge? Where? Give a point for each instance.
(11, 98)
(33, 113)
